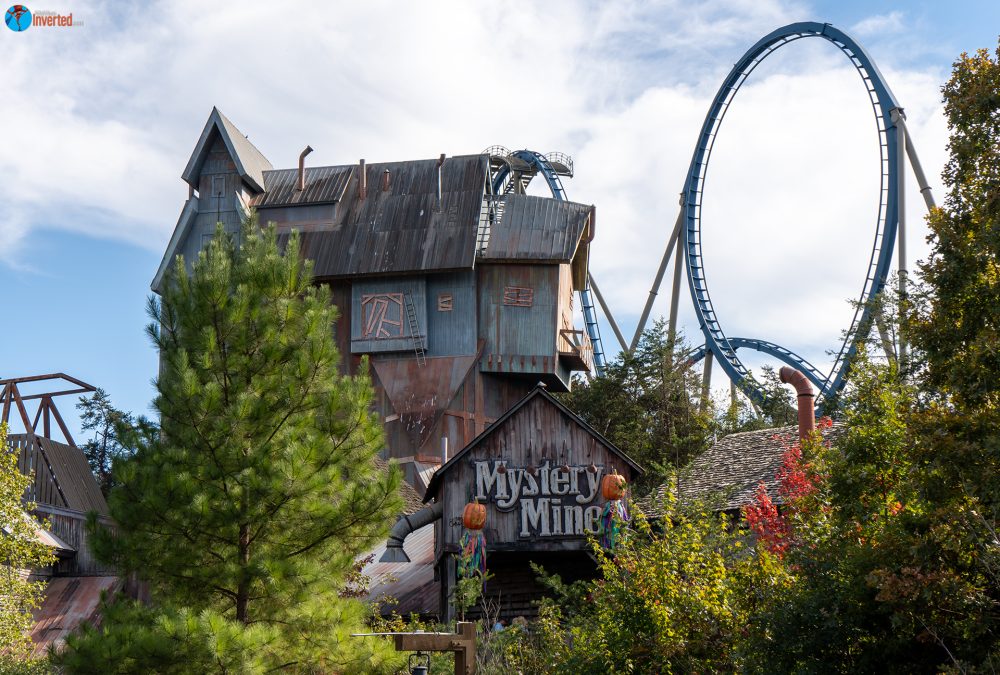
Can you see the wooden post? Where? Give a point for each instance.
(463, 643)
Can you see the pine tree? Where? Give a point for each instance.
(20, 553)
(248, 506)
(109, 426)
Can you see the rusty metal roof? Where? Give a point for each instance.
(324, 184)
(403, 228)
(412, 583)
(69, 602)
(537, 229)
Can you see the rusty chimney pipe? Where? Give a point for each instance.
(362, 180)
(385, 180)
(302, 168)
(807, 399)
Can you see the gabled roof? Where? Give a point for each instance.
(250, 162)
(537, 392)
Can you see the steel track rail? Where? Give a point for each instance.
(883, 103)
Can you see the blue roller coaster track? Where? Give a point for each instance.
(883, 104)
(542, 165)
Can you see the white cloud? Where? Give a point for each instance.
(880, 24)
(107, 115)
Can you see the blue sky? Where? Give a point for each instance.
(100, 119)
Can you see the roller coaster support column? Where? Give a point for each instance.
(607, 312)
(918, 170)
(897, 116)
(675, 294)
(706, 379)
(674, 236)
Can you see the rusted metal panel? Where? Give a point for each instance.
(323, 184)
(537, 229)
(404, 228)
(69, 602)
(420, 394)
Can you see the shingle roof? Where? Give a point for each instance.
(736, 464)
(411, 500)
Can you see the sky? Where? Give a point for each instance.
(100, 119)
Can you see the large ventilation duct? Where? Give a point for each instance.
(404, 526)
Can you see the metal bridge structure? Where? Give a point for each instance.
(685, 241)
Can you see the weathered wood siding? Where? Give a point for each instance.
(564, 506)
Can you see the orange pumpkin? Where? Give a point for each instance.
(613, 486)
(474, 516)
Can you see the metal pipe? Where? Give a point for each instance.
(656, 282)
(440, 164)
(385, 180)
(302, 168)
(807, 399)
(404, 526)
(362, 180)
(918, 170)
(607, 312)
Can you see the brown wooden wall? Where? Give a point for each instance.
(538, 435)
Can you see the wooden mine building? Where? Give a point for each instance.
(460, 295)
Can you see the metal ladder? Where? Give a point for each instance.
(418, 341)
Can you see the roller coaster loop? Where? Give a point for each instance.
(885, 108)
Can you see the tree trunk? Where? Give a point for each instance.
(243, 589)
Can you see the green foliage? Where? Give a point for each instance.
(20, 553)
(112, 431)
(666, 601)
(250, 503)
(647, 403)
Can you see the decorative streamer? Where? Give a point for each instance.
(613, 520)
(473, 558)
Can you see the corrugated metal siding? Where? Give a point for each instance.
(519, 339)
(412, 583)
(538, 229)
(403, 229)
(451, 333)
(323, 184)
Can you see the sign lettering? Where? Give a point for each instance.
(553, 501)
